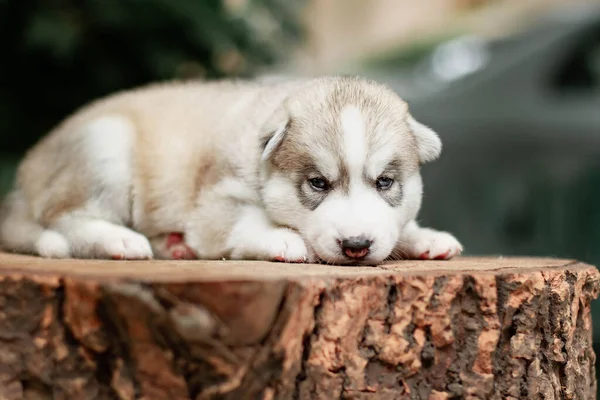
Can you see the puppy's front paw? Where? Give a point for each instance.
(172, 246)
(287, 246)
(428, 244)
(283, 245)
(178, 249)
(123, 244)
(434, 245)
(52, 244)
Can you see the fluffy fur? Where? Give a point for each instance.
(237, 168)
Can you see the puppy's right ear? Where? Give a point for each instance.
(274, 133)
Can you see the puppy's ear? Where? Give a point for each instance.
(273, 134)
(429, 145)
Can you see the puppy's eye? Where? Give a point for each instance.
(318, 184)
(384, 183)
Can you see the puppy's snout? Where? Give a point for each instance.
(356, 246)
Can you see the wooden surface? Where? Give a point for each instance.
(466, 328)
(158, 270)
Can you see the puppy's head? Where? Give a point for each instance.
(340, 164)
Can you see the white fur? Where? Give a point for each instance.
(361, 213)
(52, 244)
(94, 238)
(427, 243)
(327, 163)
(280, 198)
(186, 158)
(108, 142)
(255, 237)
(355, 141)
(378, 160)
(19, 232)
(236, 189)
(107, 145)
(412, 189)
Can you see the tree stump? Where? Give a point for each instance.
(487, 328)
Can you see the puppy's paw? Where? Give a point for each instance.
(178, 249)
(435, 245)
(96, 238)
(287, 246)
(118, 243)
(52, 244)
(428, 244)
(128, 245)
(283, 245)
(172, 246)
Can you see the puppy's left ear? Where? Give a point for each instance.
(273, 134)
(429, 145)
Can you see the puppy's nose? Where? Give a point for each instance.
(356, 246)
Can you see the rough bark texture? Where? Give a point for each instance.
(467, 328)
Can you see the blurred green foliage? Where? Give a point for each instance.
(59, 54)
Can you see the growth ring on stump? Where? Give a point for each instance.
(487, 328)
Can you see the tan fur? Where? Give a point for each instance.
(177, 125)
(194, 160)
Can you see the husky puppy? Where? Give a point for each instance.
(317, 170)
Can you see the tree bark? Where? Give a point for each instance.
(488, 328)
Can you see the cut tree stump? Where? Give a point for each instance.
(487, 328)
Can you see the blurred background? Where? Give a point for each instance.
(511, 86)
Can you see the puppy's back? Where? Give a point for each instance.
(170, 134)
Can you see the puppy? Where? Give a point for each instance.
(318, 170)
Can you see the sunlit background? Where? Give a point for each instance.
(512, 87)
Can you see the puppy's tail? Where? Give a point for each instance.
(20, 233)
